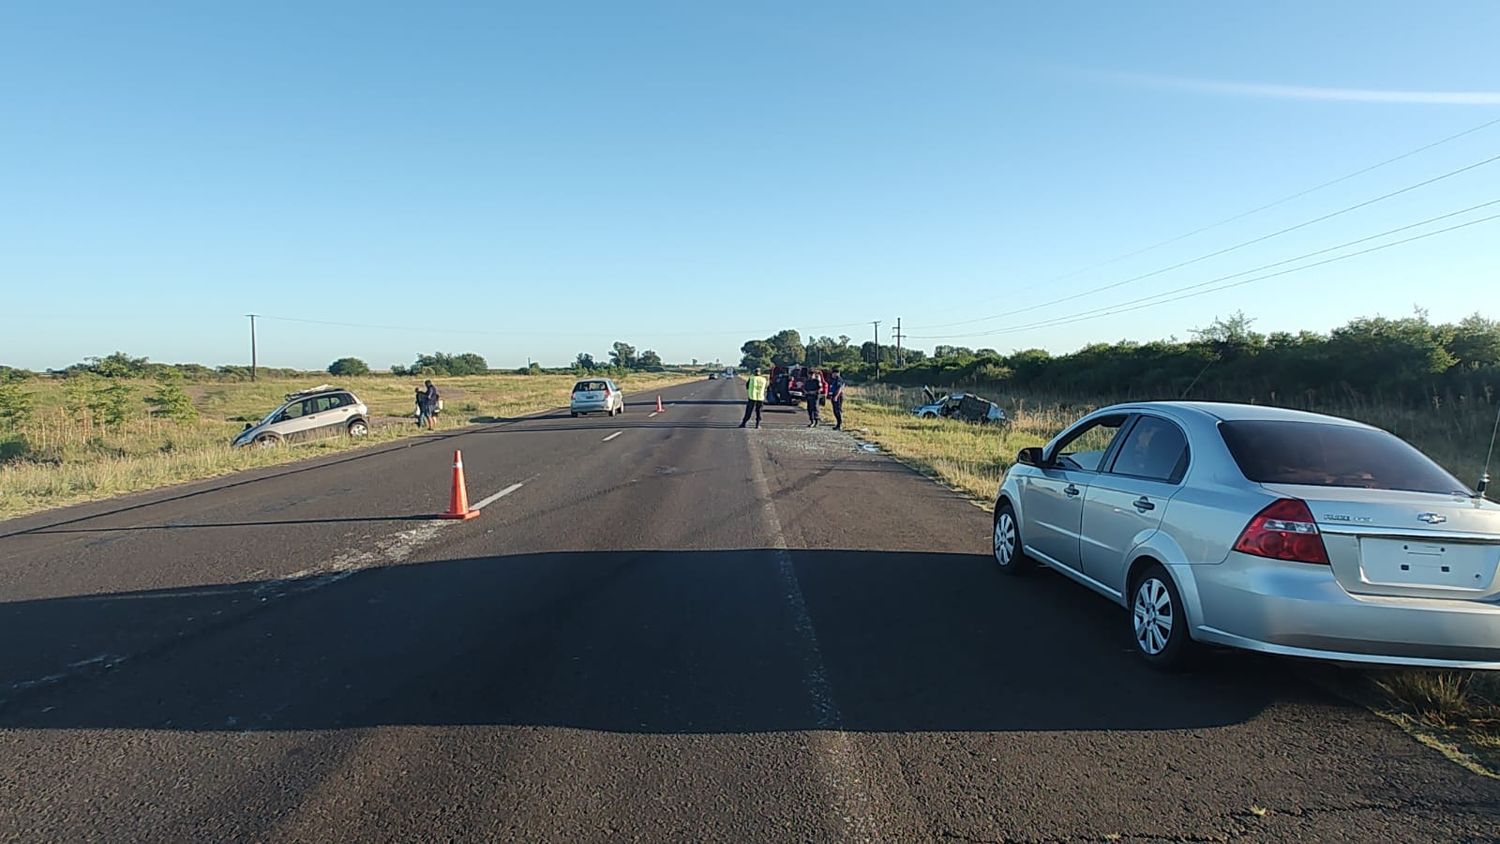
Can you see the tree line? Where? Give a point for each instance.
(622, 358)
(1409, 359)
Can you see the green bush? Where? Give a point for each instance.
(115, 403)
(346, 367)
(171, 401)
(15, 404)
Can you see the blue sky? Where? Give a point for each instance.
(538, 180)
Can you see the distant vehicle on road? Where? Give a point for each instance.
(1261, 528)
(787, 384)
(965, 406)
(597, 395)
(713, 376)
(322, 411)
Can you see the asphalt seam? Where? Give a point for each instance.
(853, 802)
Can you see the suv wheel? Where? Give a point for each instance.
(358, 428)
(1158, 625)
(267, 441)
(1008, 553)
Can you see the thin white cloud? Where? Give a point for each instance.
(1308, 92)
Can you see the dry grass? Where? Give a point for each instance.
(61, 456)
(970, 458)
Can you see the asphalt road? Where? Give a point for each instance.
(684, 632)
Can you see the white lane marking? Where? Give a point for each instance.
(652, 413)
(851, 792)
(497, 496)
(611, 436)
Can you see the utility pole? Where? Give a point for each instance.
(876, 323)
(899, 336)
(252, 344)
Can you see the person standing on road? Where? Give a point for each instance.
(812, 390)
(431, 405)
(836, 398)
(755, 392)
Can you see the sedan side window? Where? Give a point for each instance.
(1086, 447)
(1154, 449)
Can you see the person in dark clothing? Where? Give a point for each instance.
(431, 405)
(812, 390)
(421, 400)
(836, 399)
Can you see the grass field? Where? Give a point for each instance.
(1452, 710)
(64, 452)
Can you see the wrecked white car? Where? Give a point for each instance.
(963, 406)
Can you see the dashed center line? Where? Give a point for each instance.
(652, 413)
(611, 436)
(479, 505)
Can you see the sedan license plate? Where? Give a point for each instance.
(1440, 565)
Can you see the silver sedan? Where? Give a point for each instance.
(1261, 528)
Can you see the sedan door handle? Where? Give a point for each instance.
(1143, 504)
(1071, 490)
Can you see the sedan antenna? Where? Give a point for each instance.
(1484, 479)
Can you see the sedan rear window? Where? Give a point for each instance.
(1318, 454)
(589, 387)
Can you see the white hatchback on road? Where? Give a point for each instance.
(597, 395)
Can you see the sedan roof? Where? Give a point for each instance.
(1234, 412)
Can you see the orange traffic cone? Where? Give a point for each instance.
(659, 408)
(458, 502)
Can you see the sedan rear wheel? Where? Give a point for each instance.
(1157, 622)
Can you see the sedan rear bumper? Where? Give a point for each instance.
(1299, 609)
(589, 406)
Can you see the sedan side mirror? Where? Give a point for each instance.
(1030, 456)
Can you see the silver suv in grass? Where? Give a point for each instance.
(1261, 528)
(323, 411)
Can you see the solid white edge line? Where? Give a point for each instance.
(611, 436)
(497, 496)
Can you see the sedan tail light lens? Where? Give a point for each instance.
(1285, 530)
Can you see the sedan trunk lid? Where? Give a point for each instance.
(1404, 543)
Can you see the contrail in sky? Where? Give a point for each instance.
(1309, 92)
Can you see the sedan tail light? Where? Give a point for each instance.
(1284, 530)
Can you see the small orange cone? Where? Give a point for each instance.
(659, 408)
(458, 502)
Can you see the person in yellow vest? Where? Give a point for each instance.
(755, 390)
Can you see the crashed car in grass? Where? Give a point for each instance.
(963, 406)
(323, 411)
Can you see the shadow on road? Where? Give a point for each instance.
(268, 523)
(626, 641)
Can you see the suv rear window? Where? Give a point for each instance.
(1318, 454)
(589, 387)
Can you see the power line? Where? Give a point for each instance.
(1227, 249)
(1144, 302)
(1269, 205)
(1261, 268)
